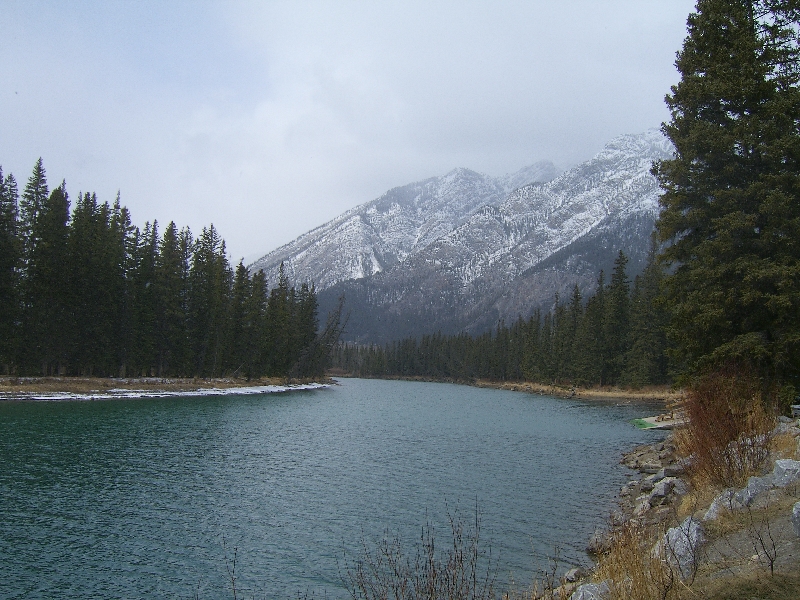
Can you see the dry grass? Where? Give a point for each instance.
(785, 445)
(781, 586)
(637, 572)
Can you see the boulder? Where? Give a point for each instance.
(591, 591)
(786, 472)
(661, 490)
(723, 502)
(681, 545)
(599, 543)
(674, 470)
(650, 467)
(755, 486)
(642, 506)
(574, 575)
(796, 518)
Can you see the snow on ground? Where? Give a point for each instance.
(125, 393)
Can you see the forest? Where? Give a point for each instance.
(85, 292)
(615, 337)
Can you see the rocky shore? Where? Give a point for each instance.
(709, 540)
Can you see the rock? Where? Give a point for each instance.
(642, 506)
(664, 454)
(647, 485)
(681, 545)
(624, 491)
(574, 575)
(784, 419)
(650, 467)
(796, 518)
(657, 477)
(680, 487)
(755, 486)
(660, 491)
(591, 591)
(599, 543)
(722, 502)
(674, 470)
(786, 472)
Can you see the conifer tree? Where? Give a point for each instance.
(170, 288)
(646, 360)
(616, 320)
(730, 208)
(46, 315)
(210, 282)
(10, 257)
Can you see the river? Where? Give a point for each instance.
(153, 497)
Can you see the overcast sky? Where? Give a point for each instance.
(270, 118)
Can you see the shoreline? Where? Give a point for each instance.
(102, 388)
(663, 394)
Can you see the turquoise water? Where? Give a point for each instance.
(147, 498)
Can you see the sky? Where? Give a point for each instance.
(268, 119)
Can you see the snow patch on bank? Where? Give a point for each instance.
(113, 394)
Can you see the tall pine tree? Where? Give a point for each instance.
(731, 202)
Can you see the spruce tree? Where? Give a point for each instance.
(730, 208)
(616, 320)
(10, 257)
(646, 360)
(45, 290)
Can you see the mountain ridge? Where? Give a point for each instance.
(461, 251)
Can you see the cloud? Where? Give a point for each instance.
(269, 118)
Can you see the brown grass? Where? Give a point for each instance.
(636, 571)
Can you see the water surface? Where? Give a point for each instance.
(134, 498)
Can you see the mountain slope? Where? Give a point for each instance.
(375, 236)
(463, 251)
(508, 259)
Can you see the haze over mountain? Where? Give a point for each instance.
(462, 251)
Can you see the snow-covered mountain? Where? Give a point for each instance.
(377, 235)
(464, 250)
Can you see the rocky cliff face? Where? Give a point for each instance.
(462, 251)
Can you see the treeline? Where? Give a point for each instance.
(87, 293)
(616, 336)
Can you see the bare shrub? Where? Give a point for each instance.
(462, 570)
(729, 429)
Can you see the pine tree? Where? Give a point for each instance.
(646, 361)
(10, 262)
(616, 320)
(45, 285)
(731, 211)
(170, 317)
(210, 283)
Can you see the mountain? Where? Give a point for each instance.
(380, 234)
(462, 251)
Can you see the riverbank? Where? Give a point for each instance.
(663, 394)
(676, 536)
(96, 388)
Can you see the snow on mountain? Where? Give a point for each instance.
(461, 251)
(539, 219)
(377, 235)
